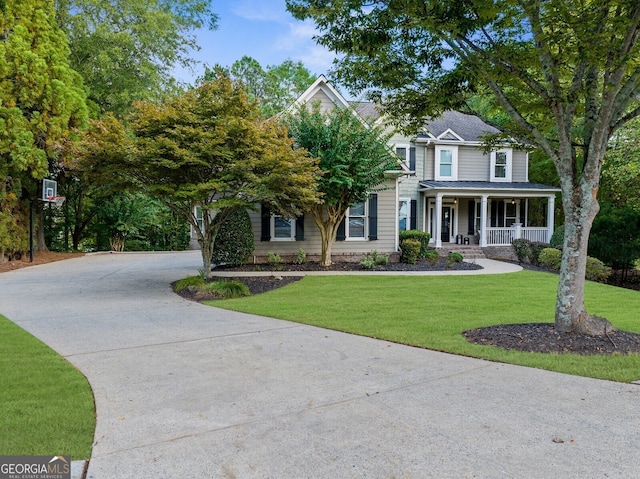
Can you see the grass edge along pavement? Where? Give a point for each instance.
(46, 404)
(432, 311)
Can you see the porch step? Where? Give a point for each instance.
(467, 252)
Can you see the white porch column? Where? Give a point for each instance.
(551, 206)
(483, 221)
(438, 221)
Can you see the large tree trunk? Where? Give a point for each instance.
(327, 222)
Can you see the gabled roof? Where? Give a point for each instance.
(323, 85)
(467, 127)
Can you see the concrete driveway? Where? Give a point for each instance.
(189, 391)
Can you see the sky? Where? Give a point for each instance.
(262, 29)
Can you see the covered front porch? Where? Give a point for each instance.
(487, 214)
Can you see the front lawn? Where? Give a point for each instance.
(46, 405)
(432, 312)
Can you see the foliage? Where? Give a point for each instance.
(432, 256)
(410, 251)
(301, 258)
(234, 241)
(46, 404)
(207, 148)
(189, 282)
(453, 258)
(557, 238)
(550, 258)
(421, 236)
(373, 259)
(126, 50)
(522, 249)
(596, 270)
(353, 159)
(41, 101)
(565, 74)
(227, 289)
(536, 247)
(616, 236)
(436, 310)
(275, 87)
(274, 260)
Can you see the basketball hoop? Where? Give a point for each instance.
(56, 200)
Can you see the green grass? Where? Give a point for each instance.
(46, 405)
(432, 312)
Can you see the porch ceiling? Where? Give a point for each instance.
(468, 188)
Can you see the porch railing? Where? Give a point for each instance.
(504, 236)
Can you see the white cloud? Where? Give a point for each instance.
(260, 10)
(299, 44)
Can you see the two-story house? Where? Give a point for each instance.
(446, 184)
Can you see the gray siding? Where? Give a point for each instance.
(473, 164)
(519, 168)
(326, 105)
(429, 163)
(386, 242)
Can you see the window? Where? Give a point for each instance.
(198, 214)
(501, 165)
(446, 163)
(407, 155)
(356, 221)
(282, 229)
(404, 214)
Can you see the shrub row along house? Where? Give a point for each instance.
(445, 184)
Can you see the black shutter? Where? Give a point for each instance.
(265, 217)
(523, 211)
(373, 217)
(472, 218)
(413, 223)
(501, 214)
(412, 160)
(300, 228)
(494, 213)
(341, 235)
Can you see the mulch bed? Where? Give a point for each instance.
(543, 338)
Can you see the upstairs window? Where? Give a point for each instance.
(446, 163)
(501, 165)
(407, 154)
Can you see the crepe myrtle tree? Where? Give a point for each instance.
(207, 148)
(566, 73)
(354, 158)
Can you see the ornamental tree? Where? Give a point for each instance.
(565, 72)
(353, 160)
(209, 148)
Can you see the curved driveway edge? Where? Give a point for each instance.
(185, 390)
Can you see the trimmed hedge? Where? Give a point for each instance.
(416, 235)
(410, 251)
(234, 241)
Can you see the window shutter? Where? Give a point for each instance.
(341, 235)
(501, 214)
(523, 211)
(373, 217)
(472, 218)
(300, 228)
(413, 223)
(265, 217)
(494, 213)
(412, 160)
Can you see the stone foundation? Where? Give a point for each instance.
(500, 253)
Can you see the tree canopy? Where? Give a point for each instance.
(41, 100)
(565, 72)
(125, 50)
(275, 87)
(208, 148)
(354, 158)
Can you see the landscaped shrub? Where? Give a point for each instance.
(550, 258)
(228, 289)
(274, 260)
(453, 258)
(432, 257)
(410, 251)
(189, 281)
(373, 259)
(417, 235)
(535, 249)
(557, 238)
(522, 249)
(234, 241)
(596, 270)
(302, 257)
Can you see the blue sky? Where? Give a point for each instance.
(262, 29)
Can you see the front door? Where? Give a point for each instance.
(447, 221)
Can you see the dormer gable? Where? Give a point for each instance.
(449, 135)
